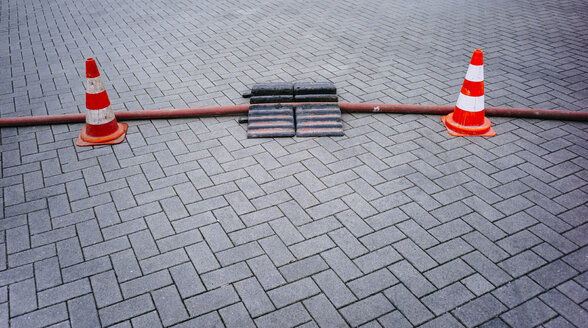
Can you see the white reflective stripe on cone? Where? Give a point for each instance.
(99, 116)
(475, 73)
(94, 85)
(470, 104)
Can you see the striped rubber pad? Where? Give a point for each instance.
(268, 121)
(318, 120)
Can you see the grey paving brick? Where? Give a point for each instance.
(408, 305)
(254, 297)
(445, 320)
(576, 234)
(63, 292)
(266, 272)
(289, 316)
(105, 288)
(42, 317)
(261, 216)
(202, 257)
(479, 310)
(553, 274)
(450, 230)
(558, 322)
(448, 273)
(517, 291)
(377, 259)
(47, 273)
(348, 243)
(293, 292)
(226, 275)
(82, 312)
(447, 298)
(522, 263)
(394, 319)
(519, 242)
(553, 238)
(31, 255)
(169, 305)
(319, 227)
(89, 232)
(366, 310)
(415, 255)
(145, 284)
(449, 250)
(247, 235)
(486, 268)
(393, 216)
(17, 239)
(106, 247)
(143, 244)
(485, 246)
(323, 312)
(149, 319)
(216, 237)
(126, 309)
(276, 250)
(107, 215)
(529, 314)
(372, 283)
(382, 238)
(311, 246)
(140, 211)
(179, 240)
(51, 236)
(302, 268)
(236, 316)
(573, 291)
(86, 269)
(477, 284)
(417, 234)
(341, 264)
(354, 223)
(163, 261)
(211, 300)
(187, 280)
(295, 213)
(23, 297)
(239, 253)
(487, 228)
(125, 265)
(411, 278)
(124, 228)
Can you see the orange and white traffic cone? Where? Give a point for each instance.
(468, 117)
(101, 126)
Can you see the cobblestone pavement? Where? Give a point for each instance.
(395, 224)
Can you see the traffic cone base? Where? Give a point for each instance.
(457, 130)
(114, 138)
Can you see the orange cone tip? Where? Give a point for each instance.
(468, 117)
(101, 125)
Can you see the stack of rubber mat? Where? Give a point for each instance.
(281, 92)
(319, 115)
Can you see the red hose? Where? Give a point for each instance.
(348, 107)
(127, 116)
(546, 114)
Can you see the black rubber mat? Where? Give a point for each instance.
(318, 120)
(268, 121)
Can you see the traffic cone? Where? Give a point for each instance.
(101, 126)
(468, 117)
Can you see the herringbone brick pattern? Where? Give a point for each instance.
(189, 223)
